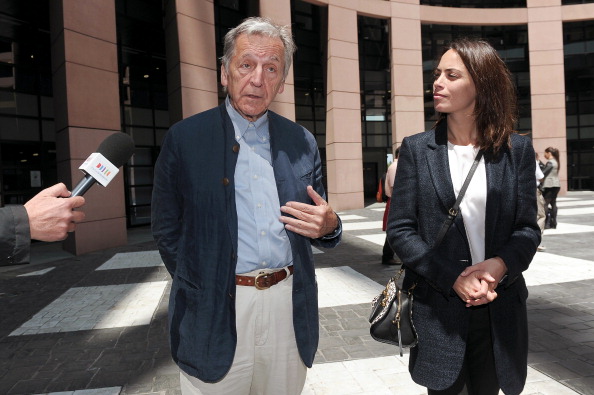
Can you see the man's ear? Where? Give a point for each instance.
(281, 88)
(224, 79)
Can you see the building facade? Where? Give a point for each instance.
(73, 72)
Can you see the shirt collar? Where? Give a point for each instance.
(240, 122)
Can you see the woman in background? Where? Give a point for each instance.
(551, 186)
(470, 296)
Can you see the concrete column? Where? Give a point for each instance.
(191, 57)
(547, 79)
(280, 12)
(408, 113)
(343, 118)
(87, 110)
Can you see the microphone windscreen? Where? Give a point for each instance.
(117, 148)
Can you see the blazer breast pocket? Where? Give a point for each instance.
(307, 178)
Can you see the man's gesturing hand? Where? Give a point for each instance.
(50, 216)
(310, 221)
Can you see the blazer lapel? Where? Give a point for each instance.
(229, 161)
(439, 168)
(495, 169)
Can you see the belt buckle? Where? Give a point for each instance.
(262, 275)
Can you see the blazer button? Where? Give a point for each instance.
(236, 148)
(225, 181)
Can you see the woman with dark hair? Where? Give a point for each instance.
(470, 296)
(551, 186)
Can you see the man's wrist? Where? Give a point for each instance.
(335, 232)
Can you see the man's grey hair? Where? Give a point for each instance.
(264, 27)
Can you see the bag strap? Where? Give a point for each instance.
(453, 212)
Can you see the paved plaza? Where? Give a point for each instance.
(96, 324)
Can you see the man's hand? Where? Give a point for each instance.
(310, 221)
(50, 216)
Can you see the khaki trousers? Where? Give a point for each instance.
(541, 213)
(266, 360)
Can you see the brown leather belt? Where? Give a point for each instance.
(263, 280)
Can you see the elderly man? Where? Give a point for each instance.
(237, 202)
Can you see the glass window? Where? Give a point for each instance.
(142, 157)
(26, 106)
(476, 3)
(374, 65)
(309, 25)
(578, 44)
(140, 175)
(142, 136)
(568, 2)
(143, 96)
(140, 195)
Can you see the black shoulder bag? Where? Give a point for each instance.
(391, 311)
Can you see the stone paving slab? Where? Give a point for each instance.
(99, 307)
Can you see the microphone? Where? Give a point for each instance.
(102, 166)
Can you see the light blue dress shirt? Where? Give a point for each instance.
(263, 241)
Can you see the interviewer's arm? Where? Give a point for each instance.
(15, 239)
(46, 217)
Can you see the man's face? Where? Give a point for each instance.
(255, 74)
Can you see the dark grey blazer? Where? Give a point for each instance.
(422, 195)
(194, 222)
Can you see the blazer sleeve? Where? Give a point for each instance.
(330, 240)
(547, 169)
(15, 235)
(166, 207)
(519, 249)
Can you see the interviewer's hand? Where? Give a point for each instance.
(310, 221)
(50, 216)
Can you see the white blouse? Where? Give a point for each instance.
(473, 205)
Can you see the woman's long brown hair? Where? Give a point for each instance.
(496, 98)
(555, 152)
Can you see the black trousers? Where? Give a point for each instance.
(478, 375)
(387, 252)
(550, 197)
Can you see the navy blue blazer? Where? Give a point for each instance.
(423, 193)
(194, 222)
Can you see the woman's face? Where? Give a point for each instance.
(547, 155)
(453, 89)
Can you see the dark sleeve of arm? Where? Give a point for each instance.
(332, 239)
(166, 211)
(547, 169)
(518, 252)
(15, 236)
